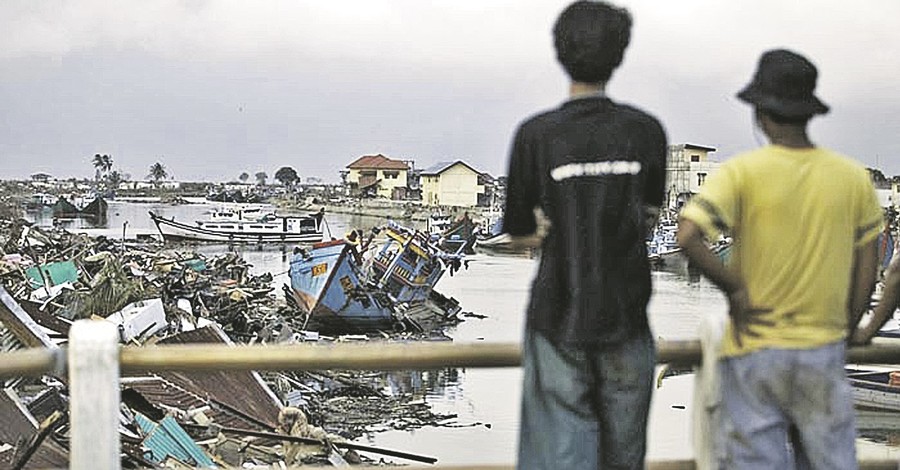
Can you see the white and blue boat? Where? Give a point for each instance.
(341, 285)
(875, 389)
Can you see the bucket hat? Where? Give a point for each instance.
(784, 84)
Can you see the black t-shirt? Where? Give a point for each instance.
(591, 165)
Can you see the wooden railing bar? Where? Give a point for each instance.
(365, 356)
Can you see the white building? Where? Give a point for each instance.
(451, 184)
(687, 167)
(895, 192)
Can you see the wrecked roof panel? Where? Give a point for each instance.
(244, 392)
(17, 423)
(159, 391)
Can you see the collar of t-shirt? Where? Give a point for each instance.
(585, 96)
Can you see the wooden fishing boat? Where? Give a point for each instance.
(346, 286)
(875, 389)
(268, 228)
(494, 242)
(663, 251)
(459, 236)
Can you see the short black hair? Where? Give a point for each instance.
(590, 39)
(785, 120)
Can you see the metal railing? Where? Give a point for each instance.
(94, 360)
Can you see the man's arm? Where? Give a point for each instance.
(536, 239)
(690, 239)
(865, 269)
(743, 315)
(885, 308)
(651, 218)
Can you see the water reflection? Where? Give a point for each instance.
(429, 383)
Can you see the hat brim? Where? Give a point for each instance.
(783, 106)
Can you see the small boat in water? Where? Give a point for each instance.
(343, 285)
(663, 251)
(494, 241)
(874, 389)
(238, 227)
(453, 236)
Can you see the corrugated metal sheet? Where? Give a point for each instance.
(243, 392)
(159, 391)
(168, 439)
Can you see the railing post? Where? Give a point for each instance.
(94, 394)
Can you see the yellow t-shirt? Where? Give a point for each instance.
(796, 216)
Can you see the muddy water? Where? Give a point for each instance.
(486, 401)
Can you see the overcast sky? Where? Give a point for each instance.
(214, 88)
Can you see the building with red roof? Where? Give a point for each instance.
(378, 176)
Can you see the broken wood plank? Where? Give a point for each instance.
(20, 323)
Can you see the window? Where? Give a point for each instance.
(695, 158)
(701, 178)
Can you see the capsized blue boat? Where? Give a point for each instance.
(345, 285)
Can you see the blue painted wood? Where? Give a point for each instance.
(331, 282)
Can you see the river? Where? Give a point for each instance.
(486, 401)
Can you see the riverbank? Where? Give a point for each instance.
(379, 208)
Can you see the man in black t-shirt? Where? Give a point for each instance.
(584, 179)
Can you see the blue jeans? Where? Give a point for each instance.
(585, 408)
(776, 396)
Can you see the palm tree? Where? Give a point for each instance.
(114, 179)
(157, 173)
(244, 177)
(102, 164)
(261, 178)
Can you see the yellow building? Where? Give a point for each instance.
(377, 175)
(687, 167)
(450, 184)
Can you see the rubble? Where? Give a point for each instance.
(156, 294)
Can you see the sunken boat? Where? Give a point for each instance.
(359, 286)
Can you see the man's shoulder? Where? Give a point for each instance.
(634, 113)
(560, 115)
(541, 120)
(844, 161)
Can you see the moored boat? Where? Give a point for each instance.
(875, 389)
(459, 236)
(494, 242)
(266, 228)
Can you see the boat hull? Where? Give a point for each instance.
(172, 230)
(341, 289)
(327, 285)
(873, 390)
(501, 245)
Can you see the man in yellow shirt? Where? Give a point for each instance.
(804, 220)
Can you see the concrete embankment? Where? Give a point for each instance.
(395, 210)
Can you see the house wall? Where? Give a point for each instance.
(387, 179)
(885, 197)
(686, 171)
(455, 186)
(431, 187)
(390, 179)
(895, 194)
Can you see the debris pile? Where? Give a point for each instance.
(156, 295)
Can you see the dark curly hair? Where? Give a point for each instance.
(590, 39)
